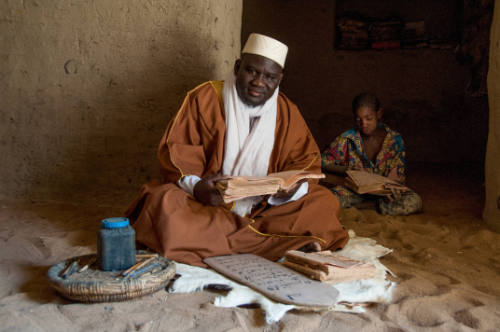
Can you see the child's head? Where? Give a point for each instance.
(367, 112)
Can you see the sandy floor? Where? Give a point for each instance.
(448, 266)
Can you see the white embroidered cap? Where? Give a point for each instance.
(267, 47)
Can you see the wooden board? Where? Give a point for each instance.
(274, 280)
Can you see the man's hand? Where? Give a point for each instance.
(206, 192)
(286, 194)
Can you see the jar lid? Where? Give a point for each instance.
(117, 222)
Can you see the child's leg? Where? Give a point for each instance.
(347, 198)
(410, 202)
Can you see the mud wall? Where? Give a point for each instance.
(421, 90)
(87, 87)
(492, 206)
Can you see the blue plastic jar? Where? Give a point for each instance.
(116, 245)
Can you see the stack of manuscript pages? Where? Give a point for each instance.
(324, 266)
(369, 183)
(233, 188)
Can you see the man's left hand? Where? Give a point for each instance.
(286, 194)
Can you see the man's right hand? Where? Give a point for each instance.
(206, 192)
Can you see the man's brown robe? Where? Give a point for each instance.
(175, 224)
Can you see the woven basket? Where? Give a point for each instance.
(89, 284)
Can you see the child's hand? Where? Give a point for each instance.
(395, 194)
(393, 175)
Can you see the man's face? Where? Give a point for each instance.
(256, 78)
(367, 120)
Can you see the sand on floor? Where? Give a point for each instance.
(447, 263)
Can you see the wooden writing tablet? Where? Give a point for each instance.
(274, 280)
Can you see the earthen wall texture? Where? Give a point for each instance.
(88, 87)
(492, 205)
(422, 91)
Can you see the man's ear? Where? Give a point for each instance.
(237, 64)
(281, 76)
(380, 112)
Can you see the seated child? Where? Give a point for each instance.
(373, 147)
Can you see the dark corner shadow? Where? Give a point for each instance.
(449, 188)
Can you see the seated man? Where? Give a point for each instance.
(242, 126)
(372, 147)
